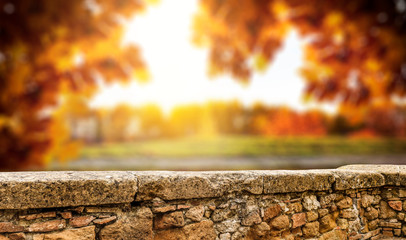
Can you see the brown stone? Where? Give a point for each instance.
(222, 214)
(181, 185)
(261, 229)
(47, 226)
(272, 212)
(34, 190)
(203, 230)
(298, 220)
(396, 205)
(81, 221)
(170, 234)
(280, 222)
(164, 209)
(104, 220)
(174, 219)
(390, 224)
(366, 200)
(342, 223)
(349, 213)
(17, 236)
(334, 235)
(311, 229)
(179, 207)
(138, 226)
(323, 212)
(327, 223)
(294, 208)
(312, 216)
(386, 211)
(372, 225)
(371, 214)
(9, 227)
(2, 237)
(344, 203)
(66, 215)
(195, 213)
(85, 233)
(251, 219)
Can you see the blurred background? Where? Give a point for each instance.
(202, 84)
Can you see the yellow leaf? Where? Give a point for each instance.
(261, 63)
(142, 75)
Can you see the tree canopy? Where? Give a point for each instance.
(47, 47)
(355, 52)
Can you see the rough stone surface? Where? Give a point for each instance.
(298, 220)
(168, 220)
(352, 179)
(228, 206)
(85, 233)
(9, 227)
(47, 226)
(25, 190)
(195, 213)
(81, 221)
(297, 181)
(187, 185)
(138, 226)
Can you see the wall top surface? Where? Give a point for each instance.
(24, 190)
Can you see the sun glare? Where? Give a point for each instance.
(178, 69)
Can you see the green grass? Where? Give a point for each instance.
(247, 146)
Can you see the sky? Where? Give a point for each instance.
(178, 68)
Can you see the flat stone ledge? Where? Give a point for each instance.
(187, 185)
(394, 175)
(24, 190)
(297, 181)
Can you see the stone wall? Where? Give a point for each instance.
(353, 202)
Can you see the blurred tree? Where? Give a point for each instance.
(152, 122)
(355, 50)
(45, 45)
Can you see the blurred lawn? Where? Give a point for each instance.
(245, 146)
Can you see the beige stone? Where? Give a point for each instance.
(354, 179)
(311, 203)
(85, 233)
(195, 213)
(297, 181)
(65, 189)
(187, 185)
(228, 226)
(251, 219)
